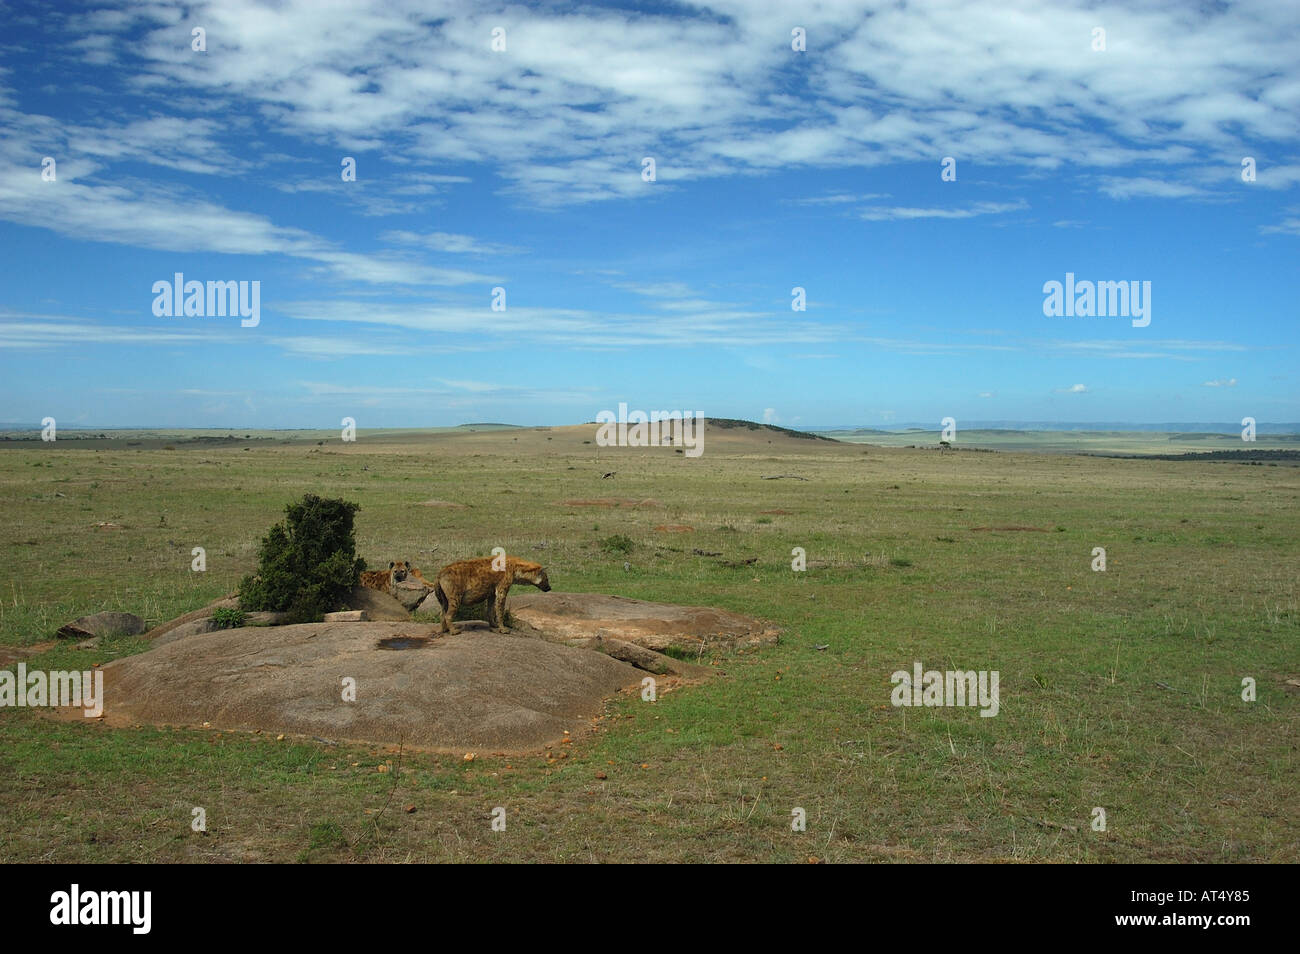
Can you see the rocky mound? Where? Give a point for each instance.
(575, 617)
(476, 690)
(566, 653)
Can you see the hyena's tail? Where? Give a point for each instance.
(442, 597)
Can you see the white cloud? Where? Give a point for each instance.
(1290, 225)
(583, 92)
(1073, 389)
(1221, 383)
(145, 215)
(449, 242)
(882, 213)
(571, 327)
(840, 198)
(1118, 187)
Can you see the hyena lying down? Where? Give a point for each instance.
(384, 579)
(471, 581)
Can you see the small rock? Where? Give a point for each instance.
(410, 593)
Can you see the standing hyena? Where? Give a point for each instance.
(471, 581)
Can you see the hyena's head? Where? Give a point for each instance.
(534, 574)
(399, 570)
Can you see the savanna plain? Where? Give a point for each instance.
(1120, 689)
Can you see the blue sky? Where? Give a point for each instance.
(522, 168)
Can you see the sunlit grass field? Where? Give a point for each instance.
(1120, 690)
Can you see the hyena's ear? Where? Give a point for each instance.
(391, 564)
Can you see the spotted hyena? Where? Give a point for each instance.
(384, 579)
(471, 581)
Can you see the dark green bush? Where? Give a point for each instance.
(308, 564)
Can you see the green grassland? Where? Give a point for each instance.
(1119, 689)
(1075, 442)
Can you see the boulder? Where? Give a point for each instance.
(193, 627)
(473, 691)
(377, 605)
(410, 593)
(102, 624)
(643, 658)
(429, 604)
(346, 616)
(230, 601)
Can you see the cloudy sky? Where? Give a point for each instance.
(505, 146)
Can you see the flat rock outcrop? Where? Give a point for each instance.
(476, 690)
(574, 617)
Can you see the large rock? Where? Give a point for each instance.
(230, 601)
(377, 605)
(575, 617)
(410, 593)
(473, 691)
(102, 624)
(193, 627)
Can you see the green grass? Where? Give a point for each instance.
(1199, 592)
(1073, 442)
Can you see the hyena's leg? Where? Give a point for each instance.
(499, 610)
(449, 613)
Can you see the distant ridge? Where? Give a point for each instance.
(1241, 456)
(725, 423)
(728, 422)
(1171, 427)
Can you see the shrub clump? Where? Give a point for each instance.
(308, 563)
(228, 617)
(618, 543)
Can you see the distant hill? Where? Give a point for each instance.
(727, 422)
